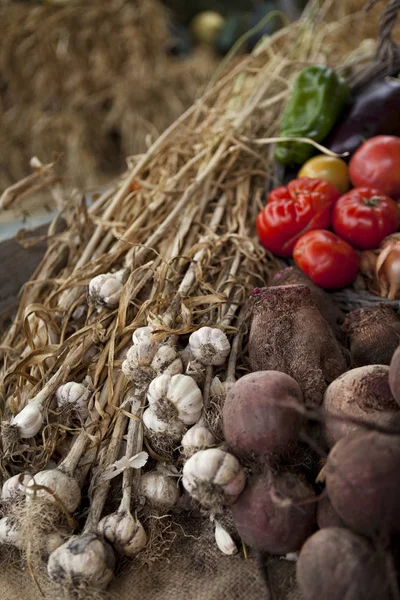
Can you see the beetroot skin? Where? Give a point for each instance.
(323, 301)
(289, 334)
(267, 517)
(373, 333)
(327, 515)
(361, 393)
(337, 564)
(363, 483)
(257, 416)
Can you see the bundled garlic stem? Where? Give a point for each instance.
(101, 490)
(190, 275)
(70, 463)
(134, 445)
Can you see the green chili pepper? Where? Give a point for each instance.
(317, 99)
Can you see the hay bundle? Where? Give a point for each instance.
(90, 80)
(174, 246)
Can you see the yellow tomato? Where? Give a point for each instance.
(327, 168)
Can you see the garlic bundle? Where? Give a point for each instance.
(14, 486)
(210, 346)
(159, 489)
(213, 477)
(29, 420)
(144, 362)
(105, 289)
(76, 396)
(55, 485)
(176, 397)
(123, 531)
(173, 429)
(197, 438)
(224, 541)
(82, 561)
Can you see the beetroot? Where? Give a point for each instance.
(323, 301)
(363, 393)
(257, 416)
(374, 334)
(289, 334)
(327, 515)
(267, 515)
(394, 375)
(337, 564)
(362, 478)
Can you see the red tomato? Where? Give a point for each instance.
(364, 217)
(377, 164)
(291, 210)
(327, 259)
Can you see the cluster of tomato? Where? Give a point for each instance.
(298, 219)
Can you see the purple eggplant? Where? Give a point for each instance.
(374, 111)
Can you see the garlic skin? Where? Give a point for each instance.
(105, 289)
(173, 429)
(123, 531)
(176, 397)
(76, 395)
(196, 438)
(210, 345)
(14, 486)
(54, 540)
(217, 388)
(9, 533)
(83, 560)
(66, 488)
(144, 363)
(213, 477)
(29, 420)
(161, 491)
(224, 541)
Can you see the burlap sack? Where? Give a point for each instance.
(193, 568)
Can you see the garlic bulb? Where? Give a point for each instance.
(9, 533)
(76, 395)
(224, 541)
(29, 421)
(213, 477)
(14, 486)
(106, 289)
(144, 363)
(210, 345)
(173, 429)
(123, 531)
(83, 560)
(63, 486)
(176, 397)
(159, 490)
(197, 437)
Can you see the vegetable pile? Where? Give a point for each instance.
(162, 368)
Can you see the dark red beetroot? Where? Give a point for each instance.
(327, 515)
(323, 301)
(267, 516)
(374, 334)
(289, 334)
(361, 393)
(363, 483)
(257, 416)
(394, 375)
(337, 564)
